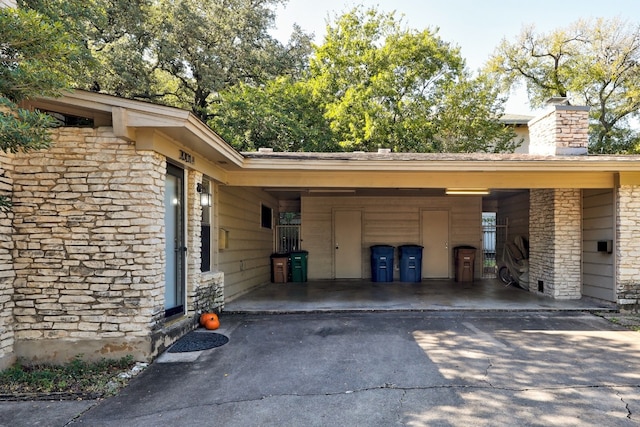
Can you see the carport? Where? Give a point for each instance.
(564, 202)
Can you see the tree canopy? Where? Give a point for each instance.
(591, 62)
(375, 84)
(372, 82)
(179, 52)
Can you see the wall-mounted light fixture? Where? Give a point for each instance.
(205, 198)
(467, 191)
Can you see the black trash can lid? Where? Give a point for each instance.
(279, 255)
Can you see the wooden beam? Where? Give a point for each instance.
(627, 178)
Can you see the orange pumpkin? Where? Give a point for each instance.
(206, 316)
(212, 323)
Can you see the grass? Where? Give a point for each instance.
(76, 379)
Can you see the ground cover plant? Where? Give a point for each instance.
(77, 379)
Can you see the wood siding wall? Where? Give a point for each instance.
(598, 222)
(390, 220)
(245, 262)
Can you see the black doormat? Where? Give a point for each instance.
(197, 341)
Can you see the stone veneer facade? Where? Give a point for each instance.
(7, 274)
(627, 247)
(555, 249)
(89, 250)
(555, 215)
(561, 130)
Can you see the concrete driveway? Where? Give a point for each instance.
(384, 369)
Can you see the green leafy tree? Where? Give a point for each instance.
(372, 83)
(381, 84)
(282, 114)
(118, 38)
(179, 52)
(469, 118)
(37, 58)
(591, 62)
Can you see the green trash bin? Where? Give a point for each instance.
(298, 265)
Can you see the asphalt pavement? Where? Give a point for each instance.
(380, 369)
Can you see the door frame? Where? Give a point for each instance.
(181, 249)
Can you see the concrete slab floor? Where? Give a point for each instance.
(428, 295)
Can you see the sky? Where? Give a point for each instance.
(476, 26)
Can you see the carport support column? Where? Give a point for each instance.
(555, 236)
(627, 247)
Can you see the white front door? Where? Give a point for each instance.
(347, 244)
(435, 239)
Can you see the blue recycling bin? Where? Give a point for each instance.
(410, 260)
(382, 263)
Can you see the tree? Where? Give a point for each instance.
(37, 58)
(384, 85)
(370, 84)
(281, 114)
(179, 52)
(595, 63)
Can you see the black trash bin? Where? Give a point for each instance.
(298, 265)
(279, 268)
(464, 262)
(382, 263)
(410, 263)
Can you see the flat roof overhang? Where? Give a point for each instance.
(167, 130)
(411, 171)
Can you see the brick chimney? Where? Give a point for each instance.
(561, 130)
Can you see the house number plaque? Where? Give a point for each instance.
(186, 157)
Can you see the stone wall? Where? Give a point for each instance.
(89, 248)
(7, 274)
(555, 242)
(627, 248)
(561, 130)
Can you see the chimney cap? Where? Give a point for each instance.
(558, 100)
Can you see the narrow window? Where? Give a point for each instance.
(266, 217)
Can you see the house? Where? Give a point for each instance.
(139, 217)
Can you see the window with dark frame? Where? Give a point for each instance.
(266, 217)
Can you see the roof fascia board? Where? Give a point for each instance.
(536, 165)
(129, 115)
(423, 179)
(154, 140)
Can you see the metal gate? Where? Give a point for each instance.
(287, 238)
(494, 234)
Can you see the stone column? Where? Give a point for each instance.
(627, 247)
(555, 250)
